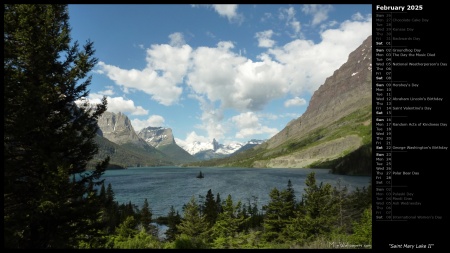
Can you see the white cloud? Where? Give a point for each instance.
(108, 92)
(153, 121)
(288, 14)
(176, 39)
(192, 137)
(246, 120)
(295, 102)
(166, 67)
(249, 125)
(118, 104)
(318, 11)
(235, 81)
(221, 79)
(358, 16)
(211, 118)
(264, 38)
(306, 65)
(229, 11)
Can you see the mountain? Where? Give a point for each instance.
(163, 140)
(334, 132)
(117, 129)
(157, 136)
(214, 150)
(122, 157)
(210, 150)
(250, 144)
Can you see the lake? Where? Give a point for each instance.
(174, 186)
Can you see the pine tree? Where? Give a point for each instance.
(193, 223)
(218, 203)
(227, 224)
(363, 229)
(318, 213)
(48, 136)
(279, 212)
(146, 216)
(273, 221)
(173, 219)
(211, 211)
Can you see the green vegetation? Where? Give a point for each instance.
(352, 162)
(125, 155)
(52, 200)
(358, 162)
(48, 138)
(324, 217)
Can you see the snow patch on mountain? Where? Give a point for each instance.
(215, 147)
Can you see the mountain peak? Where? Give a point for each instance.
(157, 136)
(215, 144)
(117, 128)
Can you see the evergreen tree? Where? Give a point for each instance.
(343, 206)
(146, 216)
(227, 224)
(111, 217)
(102, 194)
(273, 222)
(109, 195)
(279, 211)
(317, 215)
(173, 219)
(210, 208)
(288, 197)
(127, 229)
(218, 203)
(193, 223)
(363, 229)
(48, 135)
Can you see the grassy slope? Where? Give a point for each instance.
(357, 123)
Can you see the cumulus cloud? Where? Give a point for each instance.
(295, 102)
(166, 67)
(235, 81)
(152, 121)
(225, 10)
(264, 38)
(358, 16)
(318, 11)
(176, 39)
(221, 79)
(229, 11)
(117, 104)
(249, 125)
(192, 137)
(307, 65)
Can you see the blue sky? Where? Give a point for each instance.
(229, 72)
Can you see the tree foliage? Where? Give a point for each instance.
(48, 136)
(192, 224)
(279, 211)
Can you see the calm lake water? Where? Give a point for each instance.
(164, 187)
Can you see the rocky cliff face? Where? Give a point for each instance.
(118, 129)
(157, 136)
(348, 89)
(163, 140)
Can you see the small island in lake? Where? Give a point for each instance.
(200, 175)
